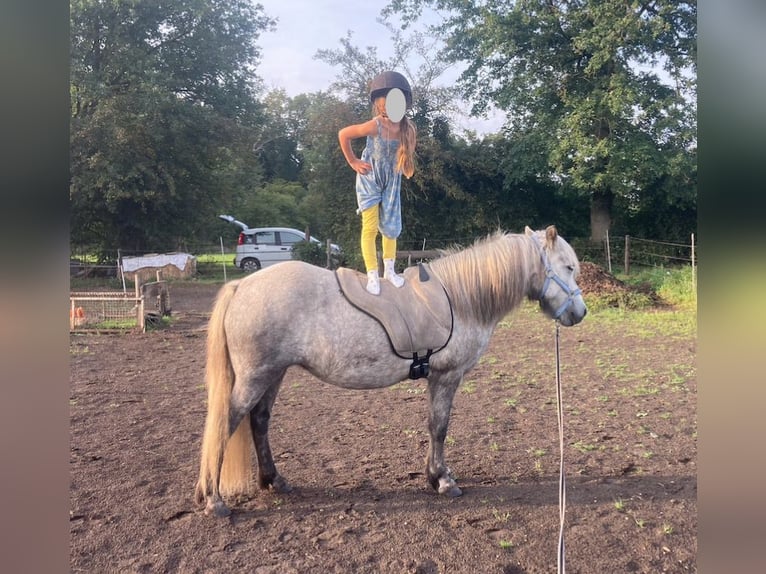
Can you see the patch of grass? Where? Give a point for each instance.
(674, 285)
(501, 517)
(468, 387)
(639, 390)
(215, 258)
(506, 544)
(644, 389)
(124, 324)
(614, 372)
(584, 447)
(497, 375)
(679, 376)
(645, 324)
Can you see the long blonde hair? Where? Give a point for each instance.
(408, 134)
(405, 155)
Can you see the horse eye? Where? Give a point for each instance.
(571, 268)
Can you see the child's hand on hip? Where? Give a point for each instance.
(361, 167)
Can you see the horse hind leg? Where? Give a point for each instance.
(229, 470)
(268, 476)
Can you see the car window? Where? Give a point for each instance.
(265, 238)
(289, 238)
(248, 239)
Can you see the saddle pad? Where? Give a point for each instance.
(416, 316)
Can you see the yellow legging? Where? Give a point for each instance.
(369, 234)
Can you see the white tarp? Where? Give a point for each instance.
(180, 260)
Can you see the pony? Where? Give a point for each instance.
(294, 313)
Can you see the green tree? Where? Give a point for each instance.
(163, 107)
(331, 201)
(278, 142)
(578, 80)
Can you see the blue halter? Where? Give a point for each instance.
(551, 275)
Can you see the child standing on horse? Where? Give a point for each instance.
(389, 153)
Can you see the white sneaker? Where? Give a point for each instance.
(373, 282)
(390, 274)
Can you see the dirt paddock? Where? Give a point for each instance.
(356, 459)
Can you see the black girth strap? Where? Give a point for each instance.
(420, 367)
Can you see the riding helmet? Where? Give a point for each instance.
(386, 81)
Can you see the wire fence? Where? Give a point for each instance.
(616, 254)
(613, 253)
(624, 253)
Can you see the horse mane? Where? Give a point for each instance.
(489, 278)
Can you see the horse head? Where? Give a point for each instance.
(560, 297)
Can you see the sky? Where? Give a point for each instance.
(306, 26)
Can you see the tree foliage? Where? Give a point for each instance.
(573, 75)
(163, 96)
(170, 125)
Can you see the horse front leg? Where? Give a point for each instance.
(268, 476)
(441, 391)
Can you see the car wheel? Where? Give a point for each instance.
(251, 265)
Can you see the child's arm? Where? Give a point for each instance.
(351, 133)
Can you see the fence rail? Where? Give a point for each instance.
(118, 310)
(623, 252)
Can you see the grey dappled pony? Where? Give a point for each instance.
(293, 313)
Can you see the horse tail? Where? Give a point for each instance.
(225, 465)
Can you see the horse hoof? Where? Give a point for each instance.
(453, 492)
(217, 509)
(281, 486)
(449, 488)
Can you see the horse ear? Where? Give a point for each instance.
(528, 231)
(551, 234)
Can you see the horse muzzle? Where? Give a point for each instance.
(573, 311)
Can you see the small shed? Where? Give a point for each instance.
(171, 266)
